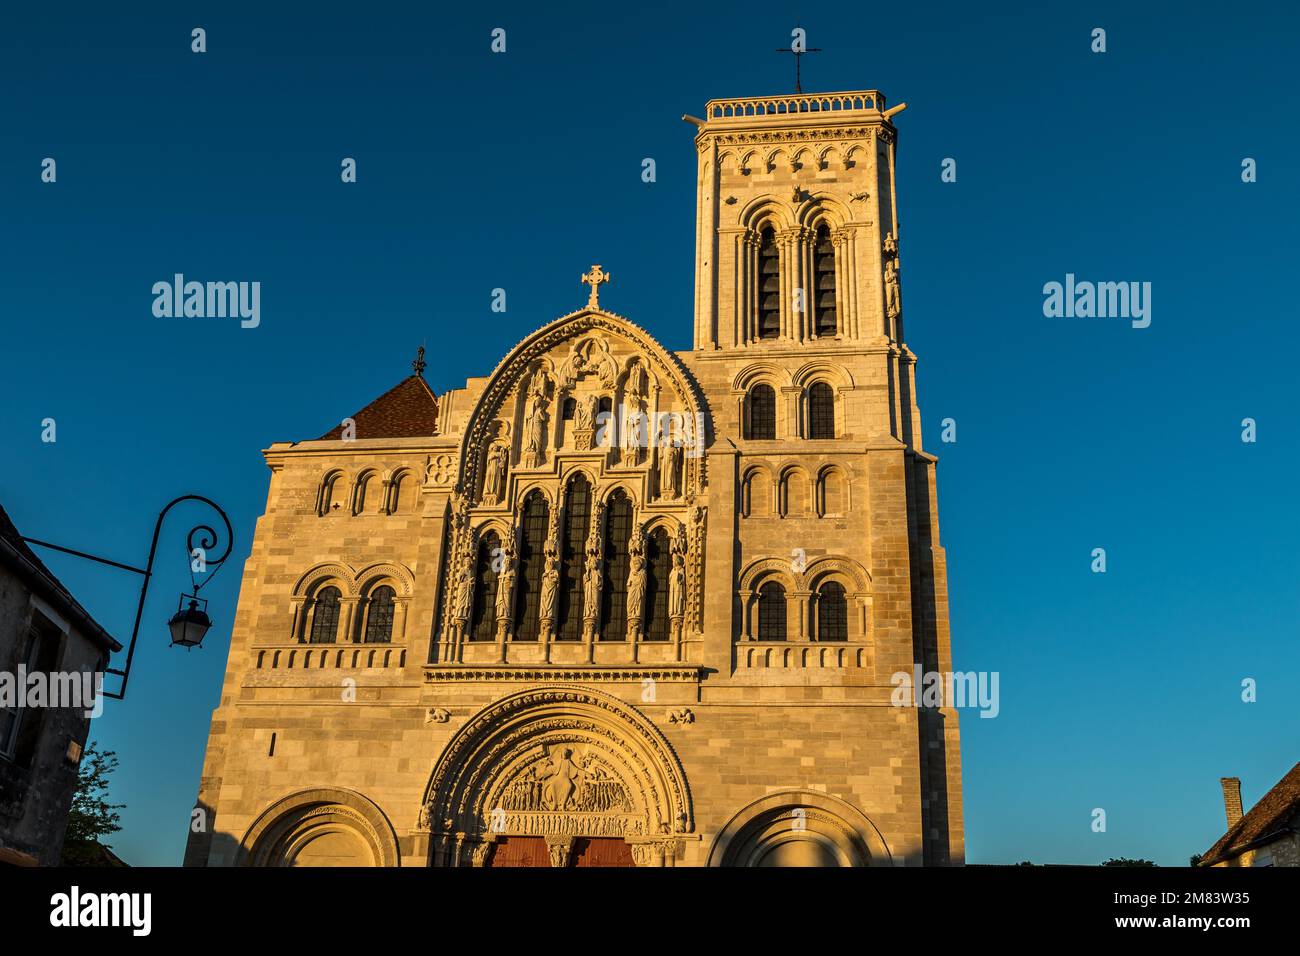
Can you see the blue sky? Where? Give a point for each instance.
(478, 171)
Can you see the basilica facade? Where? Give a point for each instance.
(612, 604)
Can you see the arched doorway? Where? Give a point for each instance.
(321, 827)
(571, 769)
(800, 828)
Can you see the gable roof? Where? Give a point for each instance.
(22, 560)
(1265, 819)
(407, 410)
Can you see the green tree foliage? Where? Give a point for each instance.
(91, 815)
(1125, 861)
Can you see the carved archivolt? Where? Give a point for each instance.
(283, 828)
(839, 833)
(352, 582)
(554, 761)
(801, 575)
(517, 373)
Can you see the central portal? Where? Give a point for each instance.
(558, 776)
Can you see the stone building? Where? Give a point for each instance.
(612, 604)
(44, 632)
(1269, 835)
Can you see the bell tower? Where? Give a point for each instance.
(797, 251)
(797, 223)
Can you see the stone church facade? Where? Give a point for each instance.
(612, 604)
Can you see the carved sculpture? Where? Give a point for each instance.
(677, 587)
(535, 418)
(494, 481)
(550, 588)
(635, 590)
(505, 585)
(892, 291)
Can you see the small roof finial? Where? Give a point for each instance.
(419, 364)
(594, 278)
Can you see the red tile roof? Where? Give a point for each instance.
(1266, 818)
(407, 410)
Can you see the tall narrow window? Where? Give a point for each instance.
(658, 560)
(762, 412)
(577, 516)
(832, 613)
(821, 411)
(771, 612)
(769, 285)
(325, 616)
(532, 565)
(329, 493)
(483, 623)
(824, 268)
(359, 498)
(613, 604)
(398, 487)
(379, 616)
(11, 715)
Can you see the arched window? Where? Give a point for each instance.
(658, 560)
(569, 409)
(330, 490)
(758, 494)
(399, 486)
(325, 616)
(825, 319)
(771, 612)
(769, 285)
(359, 497)
(379, 616)
(832, 613)
(794, 493)
(483, 621)
(762, 412)
(577, 518)
(832, 497)
(821, 411)
(613, 602)
(532, 565)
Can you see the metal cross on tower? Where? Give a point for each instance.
(798, 49)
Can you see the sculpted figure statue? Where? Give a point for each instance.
(584, 412)
(561, 781)
(636, 381)
(633, 432)
(636, 587)
(494, 481)
(891, 286)
(677, 587)
(506, 580)
(550, 587)
(464, 593)
(591, 587)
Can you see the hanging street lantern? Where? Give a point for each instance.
(189, 625)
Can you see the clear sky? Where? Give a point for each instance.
(518, 170)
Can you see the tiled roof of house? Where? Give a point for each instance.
(16, 553)
(1265, 818)
(407, 410)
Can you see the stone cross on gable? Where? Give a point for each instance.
(594, 278)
